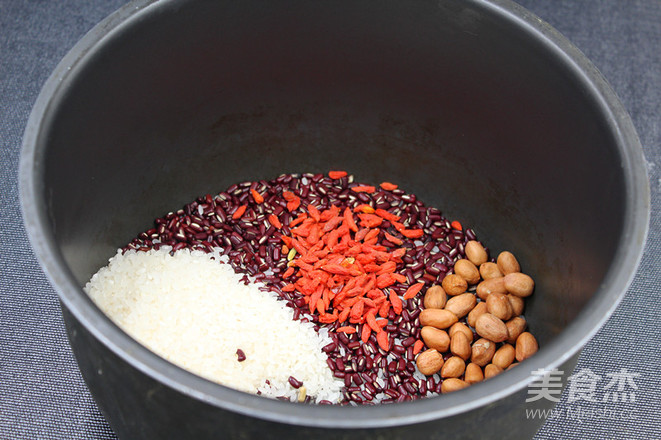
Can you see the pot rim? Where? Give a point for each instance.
(560, 349)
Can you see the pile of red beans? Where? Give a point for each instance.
(254, 247)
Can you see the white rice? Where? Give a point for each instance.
(195, 312)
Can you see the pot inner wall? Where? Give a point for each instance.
(446, 101)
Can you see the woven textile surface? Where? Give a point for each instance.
(42, 394)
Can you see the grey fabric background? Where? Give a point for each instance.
(42, 394)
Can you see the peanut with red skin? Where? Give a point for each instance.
(463, 328)
(504, 356)
(489, 286)
(526, 346)
(454, 284)
(473, 373)
(453, 384)
(429, 362)
(453, 367)
(475, 252)
(435, 298)
(467, 270)
(491, 370)
(515, 327)
(517, 304)
(499, 306)
(507, 263)
(460, 305)
(479, 309)
(435, 338)
(519, 284)
(490, 270)
(482, 351)
(439, 318)
(460, 345)
(490, 327)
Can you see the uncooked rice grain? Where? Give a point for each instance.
(197, 314)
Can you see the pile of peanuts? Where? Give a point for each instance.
(490, 296)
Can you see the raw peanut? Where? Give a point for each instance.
(453, 284)
(519, 284)
(429, 362)
(507, 263)
(515, 327)
(438, 318)
(473, 373)
(504, 356)
(526, 346)
(490, 327)
(452, 384)
(517, 304)
(492, 370)
(435, 298)
(479, 309)
(463, 328)
(487, 287)
(460, 345)
(460, 305)
(512, 365)
(435, 338)
(301, 394)
(499, 306)
(490, 270)
(475, 252)
(467, 270)
(483, 351)
(453, 367)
